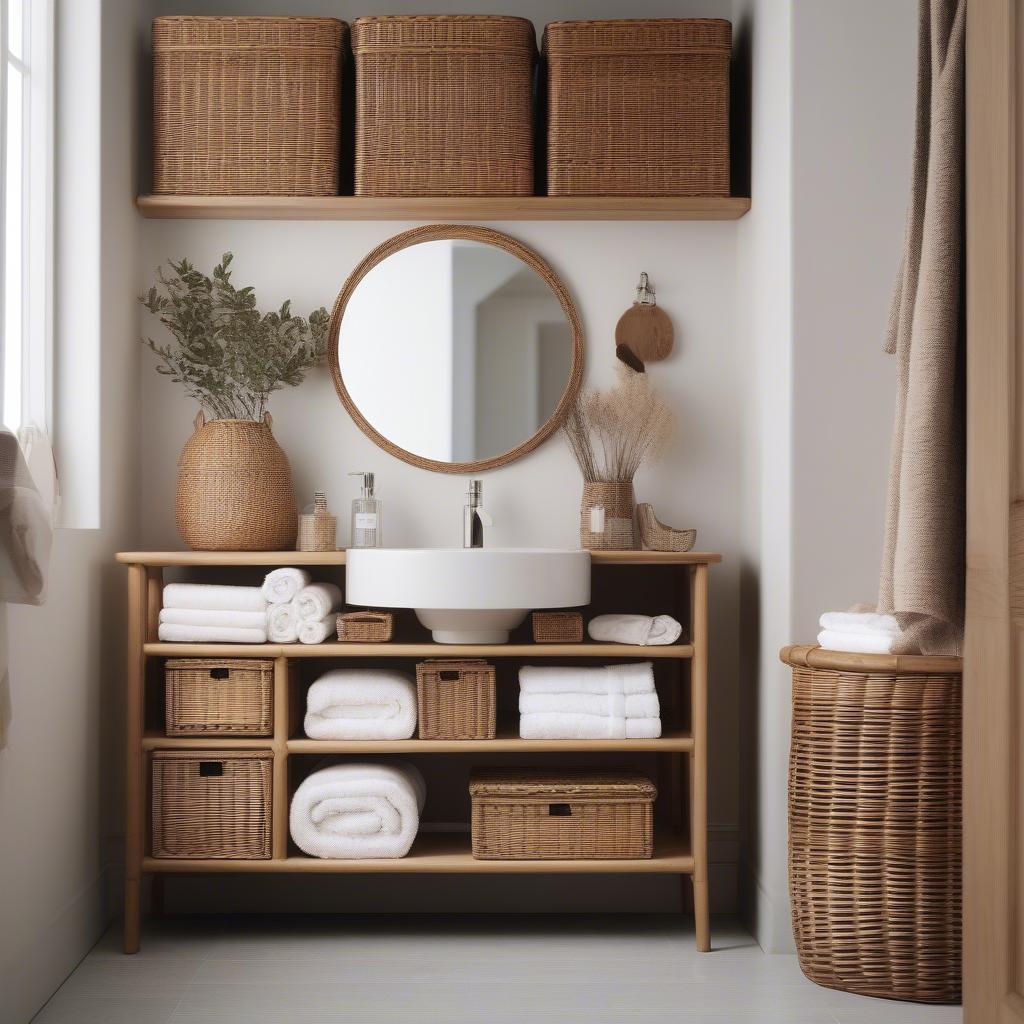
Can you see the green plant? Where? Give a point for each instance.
(229, 356)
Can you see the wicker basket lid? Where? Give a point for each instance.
(428, 32)
(282, 32)
(638, 35)
(562, 783)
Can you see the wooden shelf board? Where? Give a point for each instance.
(441, 208)
(442, 853)
(427, 650)
(280, 558)
(158, 741)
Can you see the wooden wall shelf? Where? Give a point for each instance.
(431, 208)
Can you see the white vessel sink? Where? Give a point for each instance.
(468, 596)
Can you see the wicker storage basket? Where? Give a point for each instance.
(638, 108)
(235, 489)
(557, 627)
(455, 700)
(568, 814)
(212, 804)
(219, 696)
(366, 627)
(246, 106)
(875, 821)
(444, 105)
(619, 517)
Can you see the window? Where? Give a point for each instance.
(26, 212)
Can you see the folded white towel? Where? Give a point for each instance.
(212, 617)
(860, 622)
(587, 727)
(316, 631)
(210, 597)
(358, 811)
(857, 643)
(361, 704)
(634, 677)
(634, 705)
(317, 601)
(283, 623)
(281, 585)
(174, 632)
(635, 629)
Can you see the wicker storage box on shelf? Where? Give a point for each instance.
(212, 804)
(246, 106)
(365, 627)
(455, 700)
(219, 696)
(557, 627)
(875, 818)
(563, 814)
(444, 105)
(638, 107)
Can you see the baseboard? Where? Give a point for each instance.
(769, 922)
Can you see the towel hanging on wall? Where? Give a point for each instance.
(922, 579)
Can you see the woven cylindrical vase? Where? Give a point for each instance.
(235, 489)
(613, 526)
(875, 820)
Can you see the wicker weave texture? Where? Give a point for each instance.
(366, 627)
(874, 832)
(212, 804)
(317, 533)
(219, 696)
(656, 536)
(444, 105)
(557, 627)
(235, 489)
(638, 107)
(619, 504)
(246, 106)
(455, 700)
(570, 814)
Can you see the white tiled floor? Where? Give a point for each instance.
(458, 970)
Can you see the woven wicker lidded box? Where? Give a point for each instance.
(247, 106)
(219, 696)
(444, 105)
(638, 107)
(566, 814)
(455, 699)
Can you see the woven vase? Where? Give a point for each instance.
(619, 504)
(235, 488)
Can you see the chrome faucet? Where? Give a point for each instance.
(474, 518)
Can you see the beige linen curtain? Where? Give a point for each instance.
(922, 579)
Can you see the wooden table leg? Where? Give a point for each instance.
(698, 760)
(134, 760)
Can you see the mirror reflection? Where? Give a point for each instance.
(455, 350)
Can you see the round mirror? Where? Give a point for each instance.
(455, 348)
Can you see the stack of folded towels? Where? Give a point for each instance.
(300, 610)
(582, 703)
(361, 704)
(861, 633)
(205, 613)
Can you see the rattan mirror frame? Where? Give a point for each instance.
(438, 232)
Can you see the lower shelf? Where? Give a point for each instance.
(443, 853)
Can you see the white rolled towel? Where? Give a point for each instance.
(634, 677)
(634, 705)
(587, 727)
(870, 623)
(173, 632)
(212, 597)
(281, 585)
(317, 601)
(316, 631)
(283, 623)
(361, 704)
(857, 643)
(214, 617)
(358, 811)
(645, 630)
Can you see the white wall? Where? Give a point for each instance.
(60, 775)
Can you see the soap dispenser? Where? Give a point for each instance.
(366, 516)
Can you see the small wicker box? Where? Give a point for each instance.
(455, 700)
(557, 627)
(568, 814)
(365, 627)
(212, 804)
(219, 696)
(246, 106)
(444, 105)
(638, 107)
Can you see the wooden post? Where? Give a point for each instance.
(135, 809)
(698, 759)
(279, 801)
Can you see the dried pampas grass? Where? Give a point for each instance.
(611, 433)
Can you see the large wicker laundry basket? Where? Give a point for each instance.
(874, 822)
(235, 489)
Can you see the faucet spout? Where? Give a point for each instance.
(474, 517)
